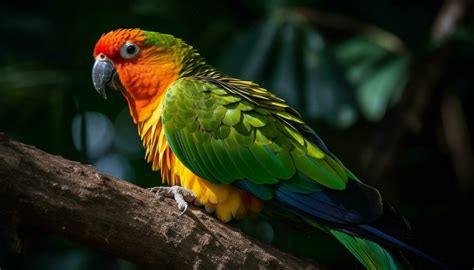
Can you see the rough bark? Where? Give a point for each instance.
(48, 193)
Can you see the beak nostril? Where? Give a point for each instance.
(101, 57)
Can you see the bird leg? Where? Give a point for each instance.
(181, 195)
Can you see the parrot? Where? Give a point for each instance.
(237, 149)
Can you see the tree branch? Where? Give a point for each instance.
(50, 194)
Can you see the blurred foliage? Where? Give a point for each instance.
(378, 75)
(342, 81)
(286, 54)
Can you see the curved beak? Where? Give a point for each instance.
(104, 75)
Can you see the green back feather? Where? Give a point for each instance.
(218, 133)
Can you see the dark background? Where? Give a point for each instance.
(345, 65)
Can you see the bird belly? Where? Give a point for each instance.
(226, 201)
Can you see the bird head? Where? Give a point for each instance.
(141, 64)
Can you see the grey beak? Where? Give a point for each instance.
(102, 73)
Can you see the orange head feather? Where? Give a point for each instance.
(145, 76)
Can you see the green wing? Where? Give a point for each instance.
(253, 140)
(225, 134)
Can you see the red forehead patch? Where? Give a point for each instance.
(110, 43)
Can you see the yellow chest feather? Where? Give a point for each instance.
(226, 200)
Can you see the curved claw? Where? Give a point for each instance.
(184, 210)
(179, 194)
(153, 189)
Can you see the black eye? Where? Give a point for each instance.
(129, 50)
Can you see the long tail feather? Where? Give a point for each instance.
(370, 254)
(383, 237)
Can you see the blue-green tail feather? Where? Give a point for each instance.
(368, 253)
(355, 216)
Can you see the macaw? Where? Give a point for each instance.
(238, 149)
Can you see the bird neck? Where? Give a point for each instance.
(147, 83)
(193, 64)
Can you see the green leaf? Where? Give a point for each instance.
(377, 74)
(377, 92)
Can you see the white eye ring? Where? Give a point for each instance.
(129, 50)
